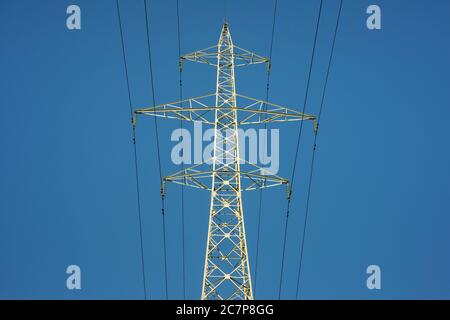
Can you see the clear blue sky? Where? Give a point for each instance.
(382, 182)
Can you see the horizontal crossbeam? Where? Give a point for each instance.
(200, 178)
(202, 109)
(209, 56)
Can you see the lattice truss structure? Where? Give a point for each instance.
(227, 270)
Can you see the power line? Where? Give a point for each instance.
(157, 144)
(225, 9)
(182, 164)
(315, 146)
(265, 126)
(135, 152)
(298, 144)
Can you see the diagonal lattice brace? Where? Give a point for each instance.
(192, 109)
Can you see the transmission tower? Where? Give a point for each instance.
(227, 271)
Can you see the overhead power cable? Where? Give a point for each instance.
(157, 144)
(135, 152)
(265, 127)
(311, 64)
(182, 164)
(315, 147)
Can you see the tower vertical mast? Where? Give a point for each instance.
(227, 272)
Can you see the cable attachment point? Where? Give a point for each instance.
(268, 64)
(133, 120)
(163, 187)
(289, 191)
(163, 193)
(316, 126)
(181, 63)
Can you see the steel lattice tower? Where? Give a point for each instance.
(227, 270)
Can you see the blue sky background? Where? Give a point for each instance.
(382, 182)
